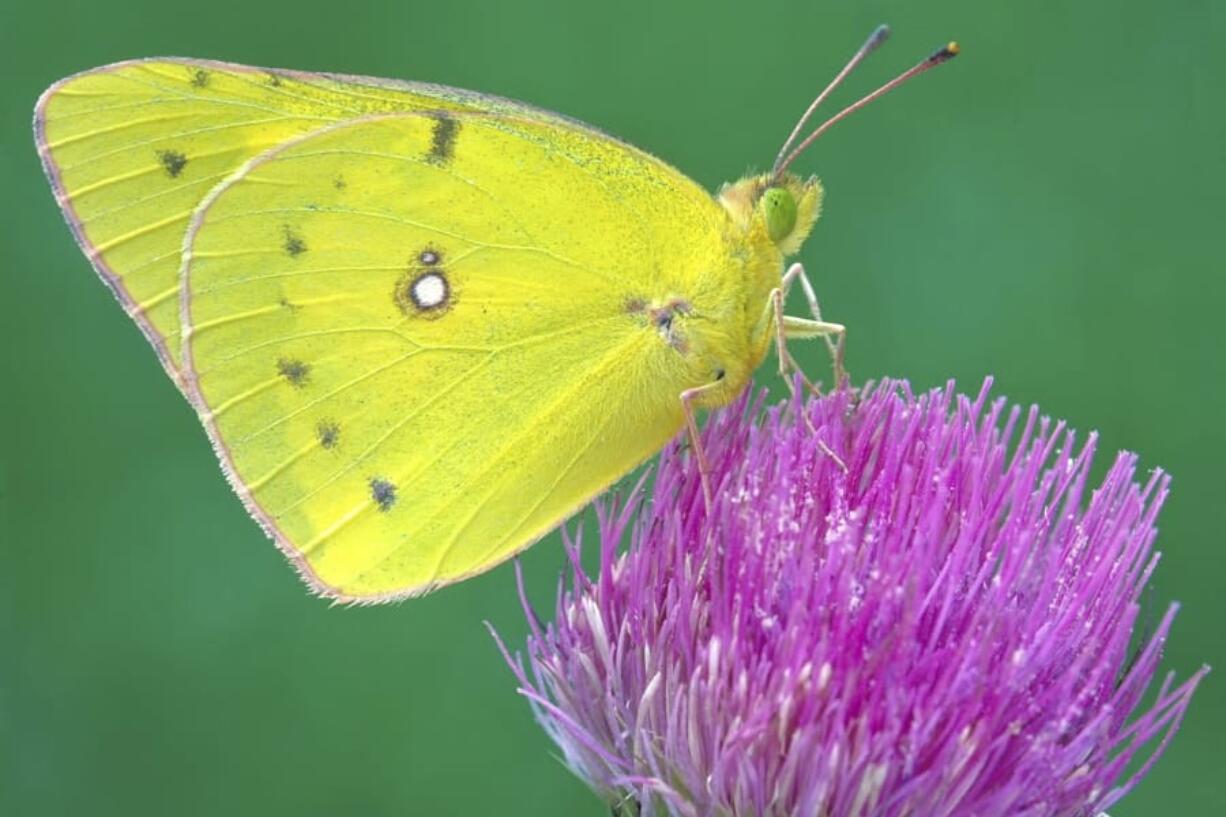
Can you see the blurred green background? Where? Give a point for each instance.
(1048, 208)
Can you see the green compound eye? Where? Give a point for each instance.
(779, 208)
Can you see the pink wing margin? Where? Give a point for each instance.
(108, 276)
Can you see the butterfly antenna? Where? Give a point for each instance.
(941, 55)
(879, 36)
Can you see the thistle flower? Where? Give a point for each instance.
(894, 606)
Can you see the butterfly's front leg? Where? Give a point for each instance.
(787, 363)
(787, 328)
(796, 272)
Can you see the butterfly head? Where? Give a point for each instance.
(781, 207)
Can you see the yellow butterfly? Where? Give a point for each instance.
(421, 325)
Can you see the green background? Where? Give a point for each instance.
(1048, 208)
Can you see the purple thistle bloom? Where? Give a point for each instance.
(889, 610)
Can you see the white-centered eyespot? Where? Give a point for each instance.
(429, 291)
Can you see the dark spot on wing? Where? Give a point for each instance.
(288, 304)
(328, 432)
(294, 245)
(665, 321)
(442, 140)
(339, 183)
(200, 78)
(274, 80)
(636, 305)
(383, 493)
(295, 371)
(172, 161)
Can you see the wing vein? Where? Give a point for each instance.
(373, 446)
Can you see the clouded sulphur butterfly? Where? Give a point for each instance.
(421, 325)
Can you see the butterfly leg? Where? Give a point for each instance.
(787, 327)
(796, 272)
(688, 397)
(787, 363)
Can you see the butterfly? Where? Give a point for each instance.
(421, 325)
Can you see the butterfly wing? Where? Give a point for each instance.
(418, 340)
(132, 149)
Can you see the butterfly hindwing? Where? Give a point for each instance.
(418, 340)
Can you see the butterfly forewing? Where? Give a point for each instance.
(418, 340)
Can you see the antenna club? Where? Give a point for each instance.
(946, 52)
(879, 36)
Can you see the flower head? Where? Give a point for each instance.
(895, 605)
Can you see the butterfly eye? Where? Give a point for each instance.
(779, 210)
